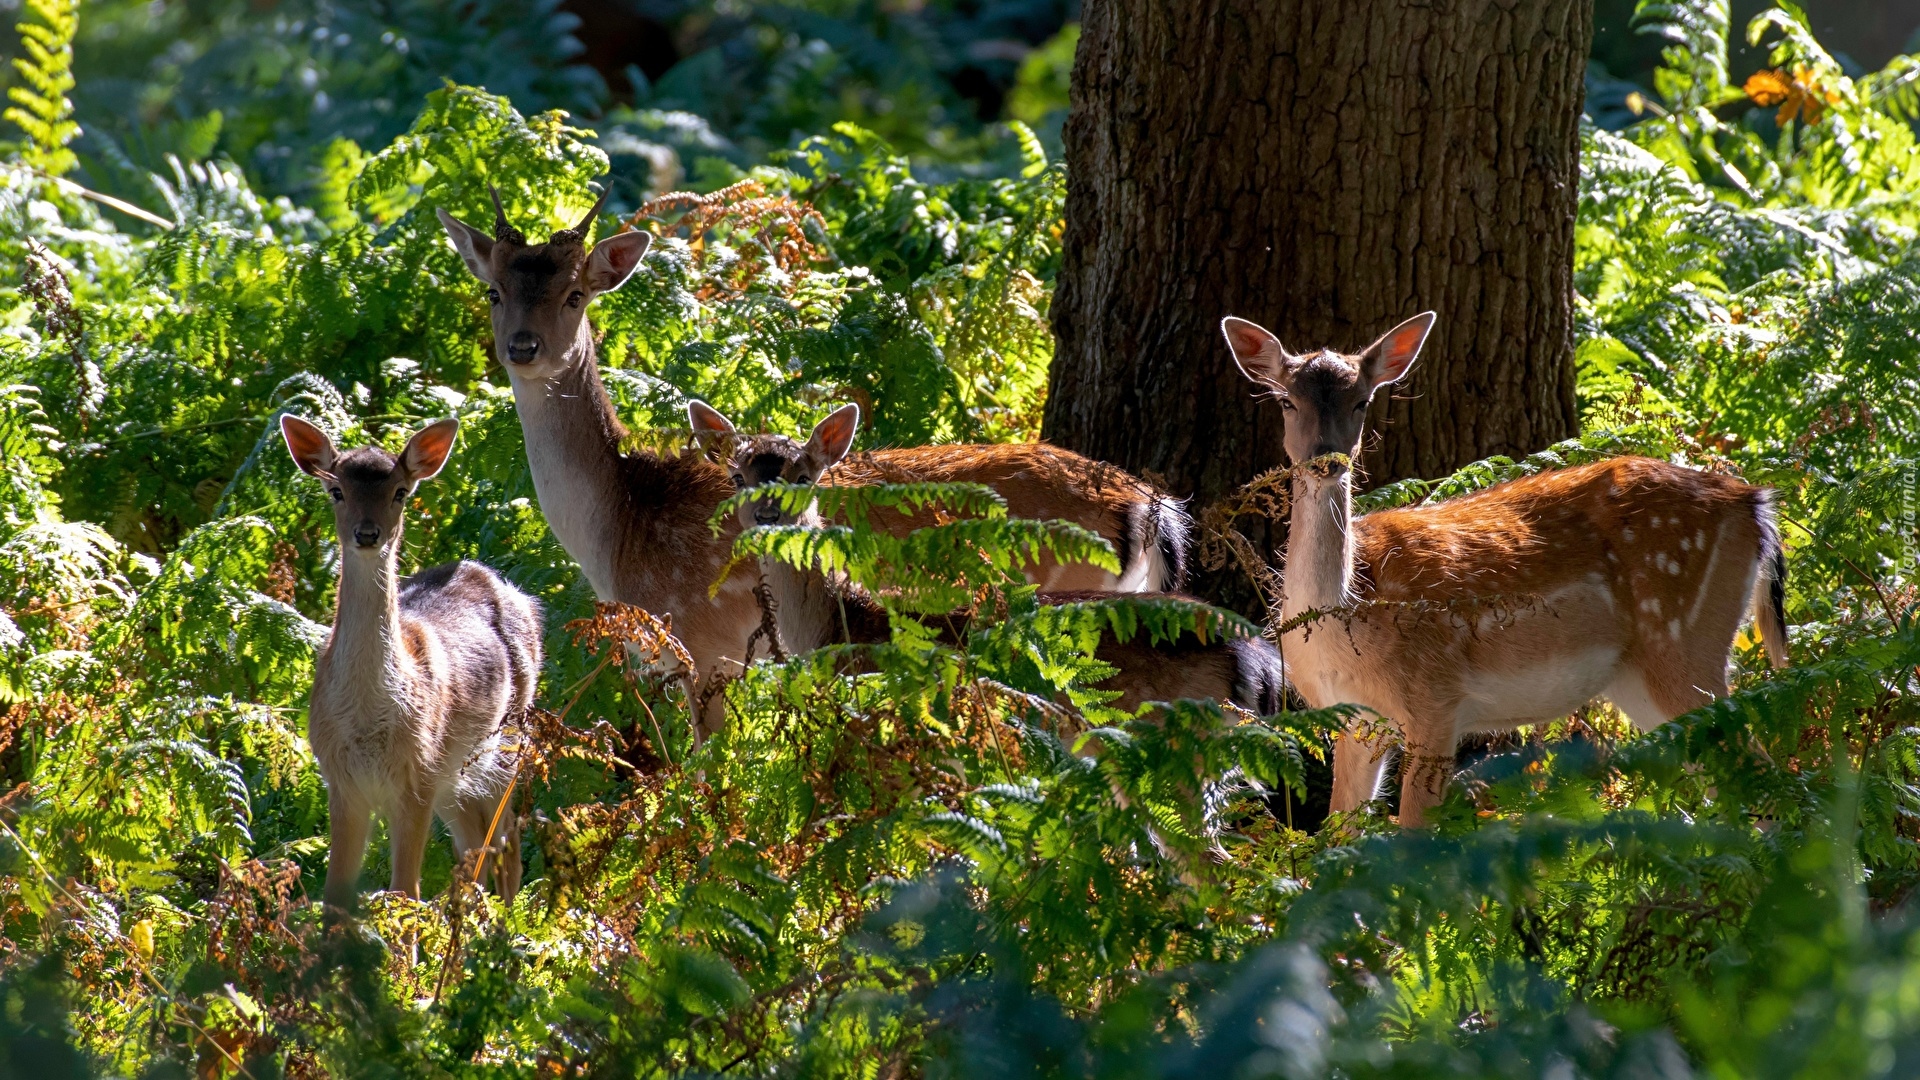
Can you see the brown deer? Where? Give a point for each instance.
(812, 611)
(422, 675)
(636, 521)
(1625, 578)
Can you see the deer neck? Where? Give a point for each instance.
(573, 442)
(805, 604)
(1319, 574)
(366, 621)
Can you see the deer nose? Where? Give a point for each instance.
(523, 346)
(366, 534)
(764, 514)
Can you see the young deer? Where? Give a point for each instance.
(811, 611)
(1626, 578)
(1146, 528)
(411, 694)
(636, 522)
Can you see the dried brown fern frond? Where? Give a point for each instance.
(1268, 496)
(770, 231)
(640, 635)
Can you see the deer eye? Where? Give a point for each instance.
(1362, 407)
(574, 298)
(803, 478)
(493, 297)
(338, 495)
(401, 495)
(1286, 405)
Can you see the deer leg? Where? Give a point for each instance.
(1628, 692)
(468, 823)
(507, 881)
(1358, 764)
(1424, 776)
(348, 824)
(410, 824)
(1688, 681)
(710, 717)
(501, 857)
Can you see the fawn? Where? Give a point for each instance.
(1625, 578)
(812, 611)
(636, 522)
(412, 692)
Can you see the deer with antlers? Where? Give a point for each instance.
(1627, 578)
(636, 521)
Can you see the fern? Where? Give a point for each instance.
(946, 850)
(40, 107)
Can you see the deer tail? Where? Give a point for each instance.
(1259, 678)
(1770, 585)
(1156, 545)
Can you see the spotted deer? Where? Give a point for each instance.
(1627, 578)
(636, 521)
(812, 611)
(413, 693)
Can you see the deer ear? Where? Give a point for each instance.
(474, 246)
(1259, 354)
(427, 452)
(614, 259)
(310, 447)
(1387, 360)
(833, 437)
(704, 419)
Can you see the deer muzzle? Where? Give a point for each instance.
(523, 346)
(366, 534)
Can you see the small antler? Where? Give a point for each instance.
(501, 229)
(578, 234)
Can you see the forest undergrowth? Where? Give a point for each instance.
(965, 862)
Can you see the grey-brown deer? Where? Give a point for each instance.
(636, 521)
(812, 611)
(1627, 578)
(415, 691)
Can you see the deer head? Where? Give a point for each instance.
(539, 292)
(767, 459)
(369, 486)
(1324, 395)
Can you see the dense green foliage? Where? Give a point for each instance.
(912, 871)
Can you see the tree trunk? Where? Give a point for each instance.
(1327, 169)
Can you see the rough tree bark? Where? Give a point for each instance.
(1325, 168)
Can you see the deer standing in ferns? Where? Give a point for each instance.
(1626, 578)
(412, 692)
(636, 522)
(811, 611)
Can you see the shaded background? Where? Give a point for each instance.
(684, 93)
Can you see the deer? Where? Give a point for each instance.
(416, 690)
(636, 521)
(1627, 578)
(812, 611)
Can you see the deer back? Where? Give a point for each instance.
(1044, 482)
